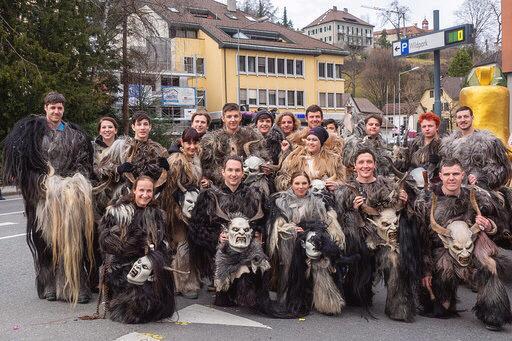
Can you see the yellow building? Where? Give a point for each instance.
(197, 44)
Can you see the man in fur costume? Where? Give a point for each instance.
(315, 159)
(483, 155)
(205, 226)
(458, 223)
(317, 271)
(367, 135)
(137, 283)
(314, 117)
(51, 161)
(229, 140)
(368, 207)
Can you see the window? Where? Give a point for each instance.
(243, 96)
(188, 64)
(330, 100)
(431, 93)
(289, 67)
(271, 97)
(321, 70)
(280, 66)
(241, 64)
(200, 66)
(320, 30)
(201, 98)
(251, 64)
(262, 97)
(300, 98)
(330, 38)
(251, 94)
(321, 100)
(299, 68)
(281, 96)
(291, 98)
(339, 68)
(330, 70)
(261, 64)
(339, 100)
(271, 65)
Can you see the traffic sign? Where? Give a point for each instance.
(461, 34)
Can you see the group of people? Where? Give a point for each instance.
(313, 214)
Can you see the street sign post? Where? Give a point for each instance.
(434, 42)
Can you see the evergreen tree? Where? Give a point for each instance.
(286, 22)
(52, 45)
(383, 41)
(461, 64)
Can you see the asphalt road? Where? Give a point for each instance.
(23, 316)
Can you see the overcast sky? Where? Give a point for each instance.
(303, 12)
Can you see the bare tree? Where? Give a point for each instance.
(259, 8)
(353, 66)
(381, 71)
(481, 14)
(412, 87)
(396, 14)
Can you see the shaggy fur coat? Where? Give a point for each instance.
(126, 232)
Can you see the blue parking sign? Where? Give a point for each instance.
(404, 47)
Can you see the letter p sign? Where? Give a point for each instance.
(404, 45)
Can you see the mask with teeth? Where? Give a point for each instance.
(317, 186)
(141, 271)
(252, 168)
(239, 233)
(188, 202)
(387, 225)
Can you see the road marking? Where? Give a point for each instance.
(9, 213)
(20, 198)
(13, 236)
(197, 313)
(7, 223)
(139, 337)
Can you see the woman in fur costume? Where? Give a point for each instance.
(287, 210)
(129, 158)
(107, 130)
(182, 187)
(368, 207)
(51, 162)
(459, 225)
(314, 159)
(137, 283)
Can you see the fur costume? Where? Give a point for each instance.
(205, 225)
(418, 154)
(478, 261)
(386, 242)
(286, 212)
(127, 233)
(376, 144)
(273, 143)
(324, 165)
(316, 282)
(481, 154)
(334, 143)
(219, 144)
(184, 175)
(52, 169)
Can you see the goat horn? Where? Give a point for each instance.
(180, 186)
(130, 177)
(218, 211)
(247, 147)
(472, 199)
(433, 224)
(364, 207)
(162, 179)
(395, 171)
(258, 214)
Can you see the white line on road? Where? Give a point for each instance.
(9, 213)
(7, 223)
(13, 236)
(19, 198)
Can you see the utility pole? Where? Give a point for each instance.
(437, 70)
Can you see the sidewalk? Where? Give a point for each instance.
(8, 191)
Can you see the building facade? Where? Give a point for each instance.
(217, 54)
(340, 28)
(393, 34)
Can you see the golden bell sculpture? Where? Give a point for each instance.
(488, 99)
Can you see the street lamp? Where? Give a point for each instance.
(259, 20)
(399, 100)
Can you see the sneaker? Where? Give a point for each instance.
(493, 328)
